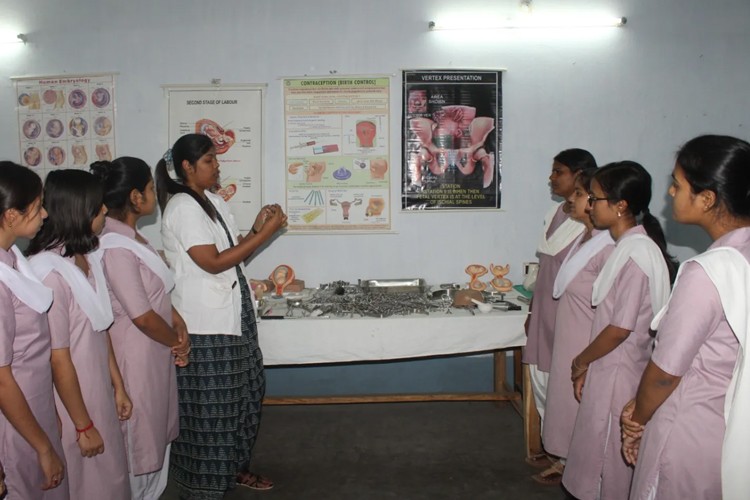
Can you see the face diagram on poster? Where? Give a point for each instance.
(65, 121)
(232, 117)
(337, 163)
(452, 124)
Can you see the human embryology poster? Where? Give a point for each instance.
(337, 163)
(65, 121)
(452, 130)
(232, 117)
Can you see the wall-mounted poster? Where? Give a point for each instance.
(452, 130)
(65, 121)
(337, 163)
(232, 116)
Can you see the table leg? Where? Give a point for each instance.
(500, 382)
(532, 425)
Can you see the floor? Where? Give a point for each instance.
(401, 450)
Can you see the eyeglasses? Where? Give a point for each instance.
(593, 199)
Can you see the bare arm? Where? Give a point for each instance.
(607, 341)
(208, 257)
(16, 409)
(655, 387)
(122, 400)
(154, 327)
(68, 387)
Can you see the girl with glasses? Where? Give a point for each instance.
(631, 287)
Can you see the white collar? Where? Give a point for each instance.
(25, 284)
(149, 258)
(575, 261)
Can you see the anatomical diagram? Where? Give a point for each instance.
(375, 207)
(345, 206)
(366, 134)
(222, 139)
(455, 138)
(378, 168)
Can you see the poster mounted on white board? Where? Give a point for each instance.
(232, 117)
(452, 139)
(337, 146)
(65, 121)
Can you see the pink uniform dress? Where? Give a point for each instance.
(25, 346)
(680, 453)
(147, 366)
(575, 316)
(541, 335)
(595, 463)
(104, 476)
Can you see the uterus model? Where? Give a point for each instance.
(454, 139)
(282, 276)
(378, 168)
(500, 282)
(366, 134)
(476, 271)
(345, 206)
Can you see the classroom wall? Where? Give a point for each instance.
(678, 69)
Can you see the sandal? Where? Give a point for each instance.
(552, 476)
(254, 481)
(539, 461)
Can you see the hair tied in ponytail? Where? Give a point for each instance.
(170, 166)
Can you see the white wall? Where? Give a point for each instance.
(679, 68)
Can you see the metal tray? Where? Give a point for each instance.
(394, 285)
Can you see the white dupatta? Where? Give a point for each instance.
(729, 271)
(144, 254)
(94, 303)
(648, 258)
(25, 284)
(572, 265)
(563, 236)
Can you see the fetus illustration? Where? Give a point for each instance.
(79, 154)
(222, 139)
(375, 207)
(366, 134)
(476, 271)
(378, 168)
(346, 205)
(281, 277)
(103, 153)
(500, 282)
(314, 171)
(454, 139)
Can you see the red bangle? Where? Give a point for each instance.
(87, 428)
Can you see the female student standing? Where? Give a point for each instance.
(575, 315)
(30, 447)
(693, 373)
(90, 395)
(633, 283)
(147, 332)
(559, 233)
(206, 253)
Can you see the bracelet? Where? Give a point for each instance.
(83, 431)
(575, 365)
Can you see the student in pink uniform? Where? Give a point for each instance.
(90, 395)
(148, 334)
(30, 448)
(572, 289)
(682, 394)
(632, 285)
(559, 233)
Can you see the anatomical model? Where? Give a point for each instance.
(500, 282)
(455, 138)
(366, 134)
(378, 168)
(222, 139)
(346, 205)
(281, 277)
(476, 271)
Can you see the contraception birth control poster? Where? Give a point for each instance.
(336, 133)
(452, 130)
(232, 117)
(65, 121)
